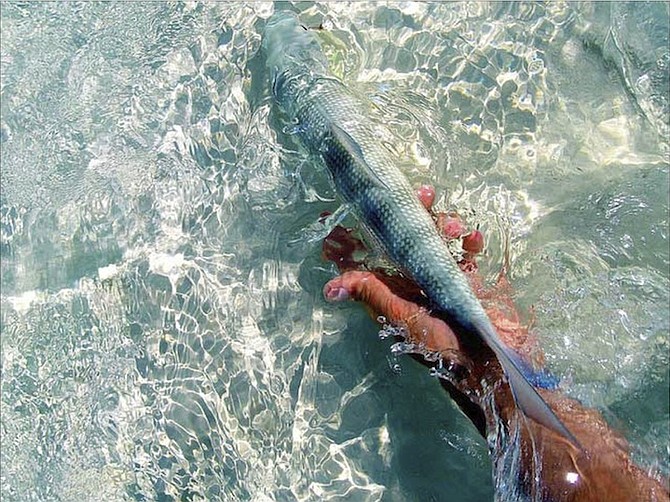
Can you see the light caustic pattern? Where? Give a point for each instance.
(163, 331)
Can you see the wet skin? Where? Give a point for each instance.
(602, 471)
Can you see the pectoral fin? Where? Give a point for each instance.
(353, 149)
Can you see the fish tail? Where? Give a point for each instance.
(525, 395)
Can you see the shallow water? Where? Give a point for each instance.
(163, 331)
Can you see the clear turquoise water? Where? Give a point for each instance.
(163, 331)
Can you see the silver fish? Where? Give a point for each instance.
(330, 122)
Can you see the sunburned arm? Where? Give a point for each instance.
(603, 471)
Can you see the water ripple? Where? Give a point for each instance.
(163, 332)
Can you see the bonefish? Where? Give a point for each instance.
(330, 122)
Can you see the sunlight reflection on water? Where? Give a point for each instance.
(161, 336)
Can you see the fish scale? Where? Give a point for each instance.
(332, 125)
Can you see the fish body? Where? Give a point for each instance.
(330, 122)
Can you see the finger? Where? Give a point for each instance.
(473, 242)
(450, 225)
(426, 194)
(335, 291)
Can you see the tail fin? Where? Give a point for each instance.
(525, 395)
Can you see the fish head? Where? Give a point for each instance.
(291, 50)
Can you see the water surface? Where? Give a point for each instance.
(164, 336)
